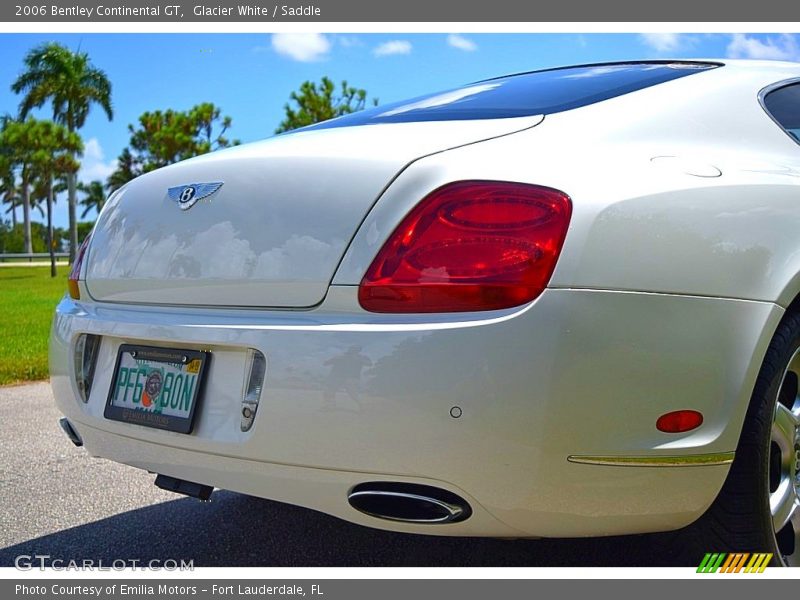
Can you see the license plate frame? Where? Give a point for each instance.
(175, 360)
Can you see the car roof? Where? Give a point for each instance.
(730, 63)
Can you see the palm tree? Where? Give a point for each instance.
(54, 157)
(94, 197)
(17, 145)
(39, 192)
(127, 169)
(9, 190)
(13, 202)
(41, 151)
(72, 84)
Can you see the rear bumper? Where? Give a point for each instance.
(350, 398)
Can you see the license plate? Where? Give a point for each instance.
(156, 387)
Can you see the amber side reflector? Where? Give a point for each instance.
(74, 291)
(679, 421)
(75, 271)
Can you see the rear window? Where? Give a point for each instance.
(784, 106)
(536, 93)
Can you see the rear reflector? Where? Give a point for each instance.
(257, 367)
(85, 355)
(679, 421)
(469, 246)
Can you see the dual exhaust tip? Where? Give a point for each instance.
(409, 503)
(393, 501)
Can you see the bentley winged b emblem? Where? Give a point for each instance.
(188, 195)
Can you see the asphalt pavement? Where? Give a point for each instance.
(56, 500)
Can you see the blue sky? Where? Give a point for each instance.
(251, 75)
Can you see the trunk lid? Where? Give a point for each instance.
(273, 234)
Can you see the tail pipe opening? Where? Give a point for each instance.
(409, 502)
(71, 432)
(187, 488)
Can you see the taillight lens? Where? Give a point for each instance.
(75, 271)
(469, 246)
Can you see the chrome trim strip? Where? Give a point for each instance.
(688, 460)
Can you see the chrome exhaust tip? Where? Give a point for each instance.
(72, 434)
(409, 503)
(181, 486)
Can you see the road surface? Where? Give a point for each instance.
(57, 500)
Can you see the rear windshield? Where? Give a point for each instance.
(784, 106)
(537, 93)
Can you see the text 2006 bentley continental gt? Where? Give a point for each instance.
(555, 304)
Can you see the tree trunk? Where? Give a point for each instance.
(14, 214)
(73, 221)
(26, 215)
(50, 243)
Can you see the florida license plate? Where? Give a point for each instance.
(156, 387)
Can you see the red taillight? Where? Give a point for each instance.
(469, 246)
(679, 421)
(75, 271)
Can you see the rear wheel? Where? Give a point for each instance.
(758, 509)
(784, 466)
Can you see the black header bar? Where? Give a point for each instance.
(405, 11)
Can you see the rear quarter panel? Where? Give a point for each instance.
(641, 224)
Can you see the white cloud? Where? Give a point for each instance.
(459, 41)
(303, 47)
(783, 47)
(92, 150)
(348, 41)
(665, 42)
(393, 47)
(93, 165)
(97, 171)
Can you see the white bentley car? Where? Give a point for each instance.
(555, 304)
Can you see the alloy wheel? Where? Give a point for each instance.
(784, 466)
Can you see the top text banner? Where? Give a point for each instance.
(338, 11)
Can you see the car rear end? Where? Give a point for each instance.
(360, 319)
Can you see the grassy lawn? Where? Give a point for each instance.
(28, 296)
(59, 260)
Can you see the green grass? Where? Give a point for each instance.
(28, 297)
(59, 260)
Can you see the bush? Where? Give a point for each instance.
(84, 228)
(12, 239)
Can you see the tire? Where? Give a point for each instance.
(758, 508)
